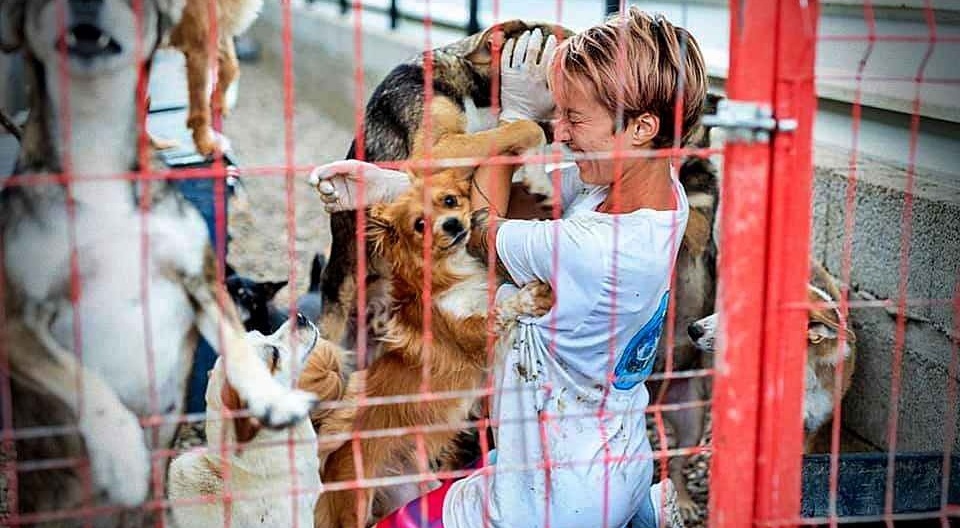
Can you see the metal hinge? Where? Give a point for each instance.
(747, 122)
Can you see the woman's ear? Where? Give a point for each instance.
(643, 129)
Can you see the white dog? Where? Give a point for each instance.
(267, 486)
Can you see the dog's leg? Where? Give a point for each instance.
(687, 427)
(448, 135)
(274, 405)
(227, 73)
(534, 299)
(199, 118)
(114, 441)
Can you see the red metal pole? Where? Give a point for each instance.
(780, 434)
(741, 272)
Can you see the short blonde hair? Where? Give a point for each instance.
(636, 63)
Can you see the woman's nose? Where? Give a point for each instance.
(561, 132)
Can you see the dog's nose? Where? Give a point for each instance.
(86, 37)
(696, 331)
(88, 41)
(453, 226)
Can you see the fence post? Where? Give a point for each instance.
(473, 23)
(780, 440)
(394, 13)
(611, 7)
(741, 273)
(763, 269)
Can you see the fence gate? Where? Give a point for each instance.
(763, 264)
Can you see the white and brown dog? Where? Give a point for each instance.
(108, 280)
(273, 477)
(826, 346)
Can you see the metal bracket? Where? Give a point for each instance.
(747, 122)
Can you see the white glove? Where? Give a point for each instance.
(523, 79)
(337, 184)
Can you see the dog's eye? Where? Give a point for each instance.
(450, 200)
(418, 225)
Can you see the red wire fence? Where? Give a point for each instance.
(759, 377)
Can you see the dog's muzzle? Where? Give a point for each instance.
(88, 41)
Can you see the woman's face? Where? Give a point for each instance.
(585, 126)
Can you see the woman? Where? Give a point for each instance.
(572, 444)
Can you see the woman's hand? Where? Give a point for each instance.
(337, 184)
(523, 79)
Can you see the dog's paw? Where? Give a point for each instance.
(534, 300)
(208, 142)
(119, 458)
(689, 510)
(537, 181)
(277, 407)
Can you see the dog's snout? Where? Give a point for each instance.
(695, 331)
(453, 226)
(85, 37)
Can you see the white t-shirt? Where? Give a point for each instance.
(611, 285)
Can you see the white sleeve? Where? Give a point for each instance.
(527, 247)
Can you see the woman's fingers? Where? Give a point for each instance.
(506, 54)
(549, 49)
(520, 52)
(533, 48)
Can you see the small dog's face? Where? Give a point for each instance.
(823, 327)
(285, 351)
(397, 229)
(98, 36)
(252, 298)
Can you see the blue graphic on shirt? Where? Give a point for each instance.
(636, 362)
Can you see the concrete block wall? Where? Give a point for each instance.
(324, 62)
(933, 266)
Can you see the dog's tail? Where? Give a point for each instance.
(316, 272)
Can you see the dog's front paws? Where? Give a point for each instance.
(534, 300)
(119, 458)
(277, 407)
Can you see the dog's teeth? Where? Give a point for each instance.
(70, 39)
(103, 41)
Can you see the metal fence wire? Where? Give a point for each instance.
(793, 413)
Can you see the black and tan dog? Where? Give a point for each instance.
(461, 75)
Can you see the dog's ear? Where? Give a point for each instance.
(480, 46)
(270, 288)
(12, 20)
(246, 428)
(380, 232)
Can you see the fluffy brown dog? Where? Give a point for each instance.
(192, 36)
(462, 77)
(455, 359)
